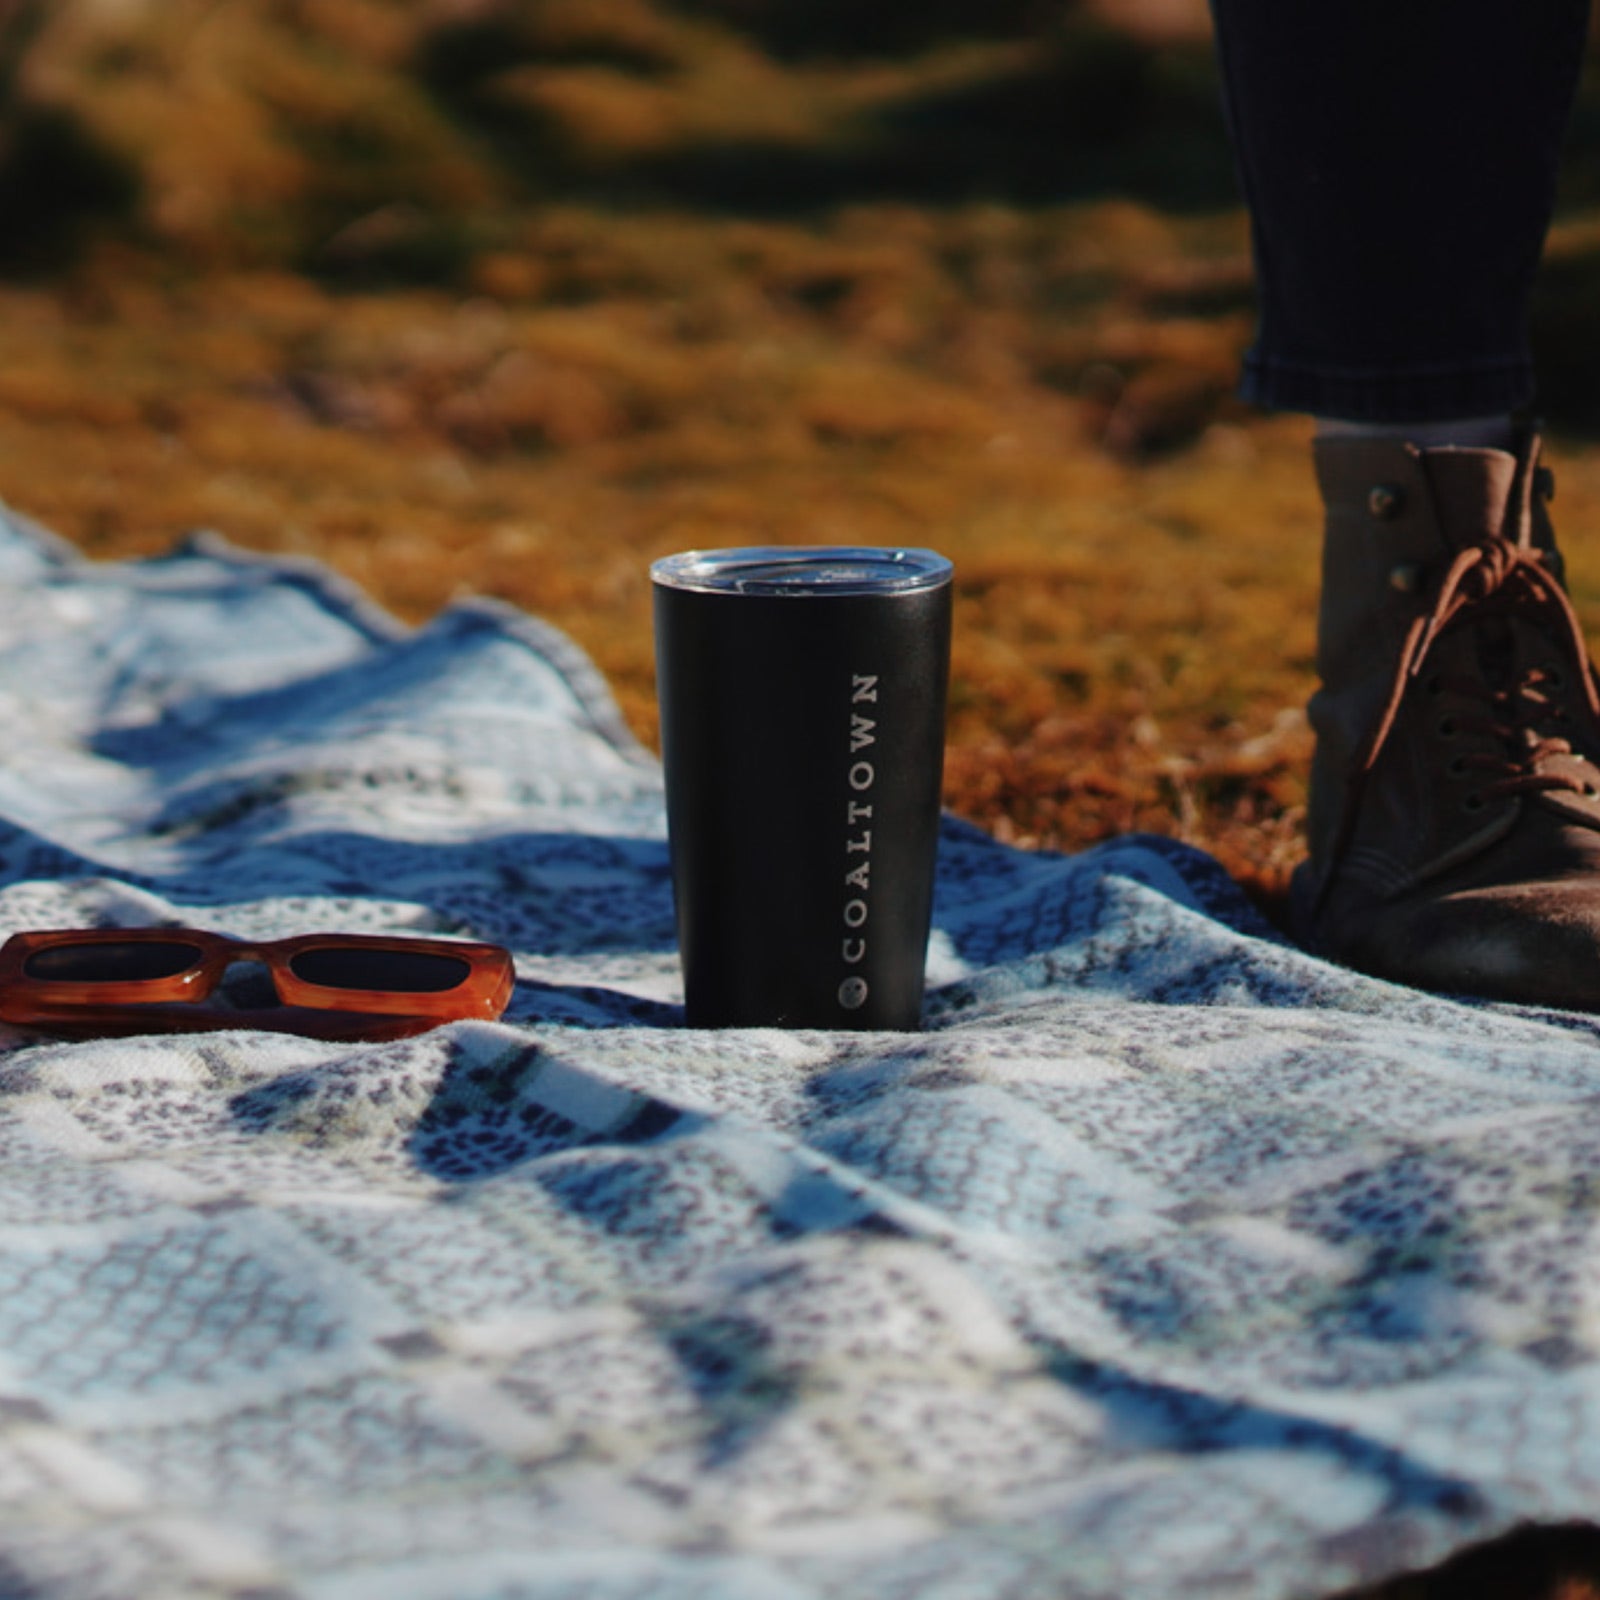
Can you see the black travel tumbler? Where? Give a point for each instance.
(802, 695)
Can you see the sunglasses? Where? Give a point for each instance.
(94, 982)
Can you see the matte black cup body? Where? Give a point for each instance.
(802, 700)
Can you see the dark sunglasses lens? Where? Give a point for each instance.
(136, 961)
(393, 971)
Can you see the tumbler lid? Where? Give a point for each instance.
(803, 570)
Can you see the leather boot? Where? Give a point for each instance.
(1455, 794)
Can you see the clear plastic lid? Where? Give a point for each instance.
(803, 570)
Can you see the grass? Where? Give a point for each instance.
(1028, 390)
(1130, 650)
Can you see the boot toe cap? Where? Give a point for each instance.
(1532, 943)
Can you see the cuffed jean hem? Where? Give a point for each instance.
(1417, 394)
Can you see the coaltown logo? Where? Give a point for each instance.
(858, 838)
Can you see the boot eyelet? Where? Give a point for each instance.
(1554, 678)
(1385, 501)
(1473, 802)
(1435, 684)
(1458, 767)
(1447, 728)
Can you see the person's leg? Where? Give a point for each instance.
(1399, 162)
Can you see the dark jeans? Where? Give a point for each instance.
(1399, 161)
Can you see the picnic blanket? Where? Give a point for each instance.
(1166, 1261)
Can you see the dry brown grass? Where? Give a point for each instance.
(1134, 625)
(258, 190)
(1131, 647)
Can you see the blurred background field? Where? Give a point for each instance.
(513, 296)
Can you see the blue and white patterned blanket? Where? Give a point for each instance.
(1168, 1261)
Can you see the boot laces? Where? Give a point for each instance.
(1496, 577)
